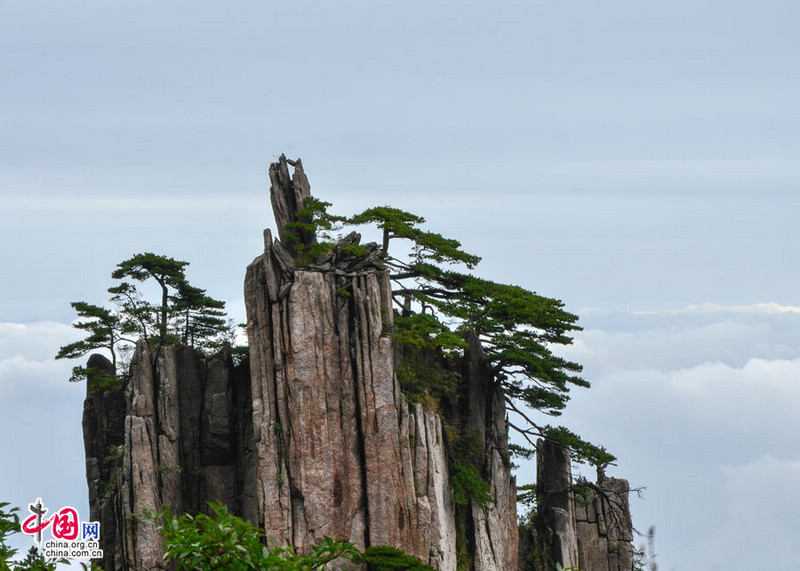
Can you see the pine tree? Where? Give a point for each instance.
(184, 314)
(167, 272)
(516, 327)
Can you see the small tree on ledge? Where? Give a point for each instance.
(184, 314)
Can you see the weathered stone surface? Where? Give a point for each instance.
(496, 533)
(269, 275)
(556, 521)
(594, 532)
(103, 438)
(181, 444)
(353, 238)
(284, 261)
(361, 263)
(312, 476)
(494, 536)
(605, 541)
(431, 485)
(287, 196)
(340, 451)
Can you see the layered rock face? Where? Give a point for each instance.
(334, 434)
(556, 508)
(178, 436)
(103, 440)
(591, 530)
(604, 527)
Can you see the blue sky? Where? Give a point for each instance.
(637, 161)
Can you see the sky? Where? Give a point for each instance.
(635, 160)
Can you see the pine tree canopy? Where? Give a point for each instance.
(184, 313)
(518, 329)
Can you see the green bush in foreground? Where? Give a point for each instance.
(224, 541)
(34, 561)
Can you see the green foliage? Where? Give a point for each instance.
(9, 525)
(315, 214)
(424, 383)
(102, 380)
(526, 495)
(185, 314)
(201, 542)
(425, 331)
(582, 492)
(313, 222)
(517, 328)
(34, 561)
(224, 541)
(639, 559)
(397, 222)
(135, 314)
(522, 451)
(428, 246)
(468, 456)
(355, 250)
(468, 486)
(240, 354)
(582, 451)
(530, 548)
(308, 254)
(105, 331)
(422, 370)
(141, 267)
(200, 319)
(463, 557)
(167, 272)
(385, 558)
(468, 446)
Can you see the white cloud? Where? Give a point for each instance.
(23, 377)
(713, 308)
(236, 310)
(28, 369)
(678, 433)
(759, 530)
(698, 406)
(671, 340)
(40, 413)
(39, 340)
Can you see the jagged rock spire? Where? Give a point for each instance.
(288, 196)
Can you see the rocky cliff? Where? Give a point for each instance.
(579, 524)
(178, 435)
(340, 450)
(319, 438)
